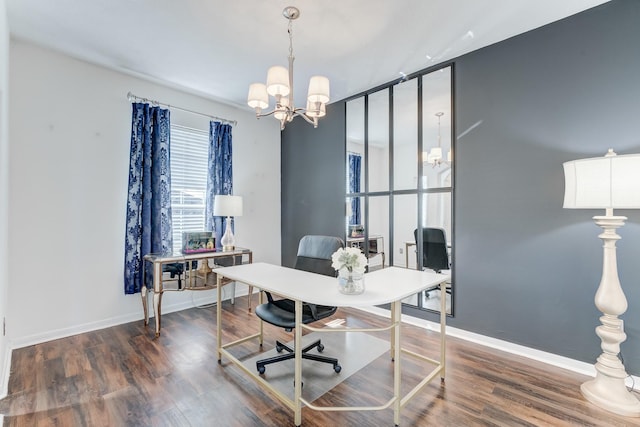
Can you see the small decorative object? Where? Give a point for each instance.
(350, 264)
(198, 241)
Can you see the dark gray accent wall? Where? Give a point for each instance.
(526, 269)
(313, 180)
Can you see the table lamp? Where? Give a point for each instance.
(227, 206)
(607, 182)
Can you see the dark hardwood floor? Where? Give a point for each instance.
(123, 376)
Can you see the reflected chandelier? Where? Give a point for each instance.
(434, 157)
(280, 86)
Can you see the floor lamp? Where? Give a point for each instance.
(607, 182)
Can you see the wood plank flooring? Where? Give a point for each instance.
(123, 376)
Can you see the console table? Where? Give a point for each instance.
(191, 279)
(376, 245)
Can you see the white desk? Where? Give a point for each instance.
(384, 286)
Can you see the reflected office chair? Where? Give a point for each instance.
(314, 255)
(435, 255)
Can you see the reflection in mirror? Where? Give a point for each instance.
(388, 167)
(378, 232)
(437, 154)
(436, 240)
(355, 217)
(405, 135)
(355, 146)
(404, 222)
(378, 140)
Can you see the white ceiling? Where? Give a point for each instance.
(216, 48)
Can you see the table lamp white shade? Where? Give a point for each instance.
(603, 182)
(227, 206)
(609, 182)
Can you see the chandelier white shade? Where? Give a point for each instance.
(280, 86)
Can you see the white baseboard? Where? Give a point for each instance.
(117, 320)
(520, 350)
(6, 370)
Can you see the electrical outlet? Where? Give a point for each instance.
(401, 251)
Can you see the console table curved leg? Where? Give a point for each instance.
(145, 308)
(157, 301)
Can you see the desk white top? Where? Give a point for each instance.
(381, 286)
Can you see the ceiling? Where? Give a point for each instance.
(216, 48)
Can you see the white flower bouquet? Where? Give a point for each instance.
(350, 259)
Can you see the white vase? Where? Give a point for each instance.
(350, 282)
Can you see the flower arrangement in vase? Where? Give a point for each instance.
(350, 263)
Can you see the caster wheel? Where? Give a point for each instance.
(261, 370)
(320, 348)
(337, 368)
(279, 349)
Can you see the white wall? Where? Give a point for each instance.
(4, 191)
(70, 134)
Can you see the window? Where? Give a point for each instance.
(189, 156)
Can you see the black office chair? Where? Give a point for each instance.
(314, 255)
(435, 255)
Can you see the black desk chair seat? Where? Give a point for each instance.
(314, 255)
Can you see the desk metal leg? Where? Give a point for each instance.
(443, 327)
(261, 322)
(297, 382)
(392, 341)
(219, 317)
(397, 310)
(249, 298)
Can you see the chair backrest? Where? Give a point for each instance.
(434, 249)
(314, 254)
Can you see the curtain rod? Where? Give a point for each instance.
(132, 97)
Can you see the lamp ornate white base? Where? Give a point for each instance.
(608, 390)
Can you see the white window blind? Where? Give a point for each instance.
(189, 153)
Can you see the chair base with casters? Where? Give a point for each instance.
(314, 255)
(260, 364)
(282, 313)
(437, 288)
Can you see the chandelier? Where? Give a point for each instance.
(280, 86)
(434, 157)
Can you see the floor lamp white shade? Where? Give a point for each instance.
(229, 206)
(609, 182)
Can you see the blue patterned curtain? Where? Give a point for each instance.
(149, 198)
(355, 160)
(220, 177)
